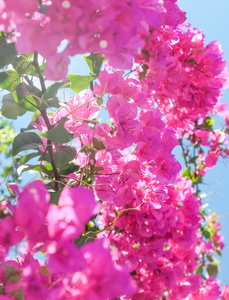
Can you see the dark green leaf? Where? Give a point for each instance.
(7, 53)
(59, 134)
(98, 145)
(94, 61)
(206, 234)
(146, 53)
(50, 97)
(79, 83)
(24, 90)
(193, 160)
(133, 273)
(192, 61)
(85, 238)
(212, 270)
(25, 141)
(12, 274)
(64, 154)
(10, 108)
(142, 75)
(54, 197)
(145, 67)
(68, 169)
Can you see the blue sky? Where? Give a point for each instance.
(213, 17)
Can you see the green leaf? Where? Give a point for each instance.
(49, 97)
(59, 134)
(69, 168)
(199, 269)
(142, 75)
(100, 101)
(24, 90)
(146, 53)
(186, 173)
(79, 83)
(192, 61)
(192, 160)
(94, 61)
(133, 273)
(207, 125)
(19, 294)
(145, 68)
(10, 108)
(25, 141)
(212, 270)
(47, 169)
(26, 158)
(28, 104)
(206, 234)
(64, 154)
(8, 80)
(98, 145)
(54, 197)
(12, 274)
(7, 52)
(85, 239)
(210, 122)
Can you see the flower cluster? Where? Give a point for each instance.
(182, 74)
(147, 235)
(114, 29)
(66, 272)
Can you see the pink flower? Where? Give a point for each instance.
(100, 278)
(57, 67)
(225, 293)
(31, 211)
(75, 208)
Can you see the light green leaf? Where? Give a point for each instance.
(9, 79)
(186, 173)
(79, 83)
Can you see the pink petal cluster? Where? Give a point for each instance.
(116, 29)
(184, 75)
(52, 229)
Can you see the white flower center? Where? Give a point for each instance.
(103, 44)
(66, 4)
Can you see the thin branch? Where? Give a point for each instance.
(48, 124)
